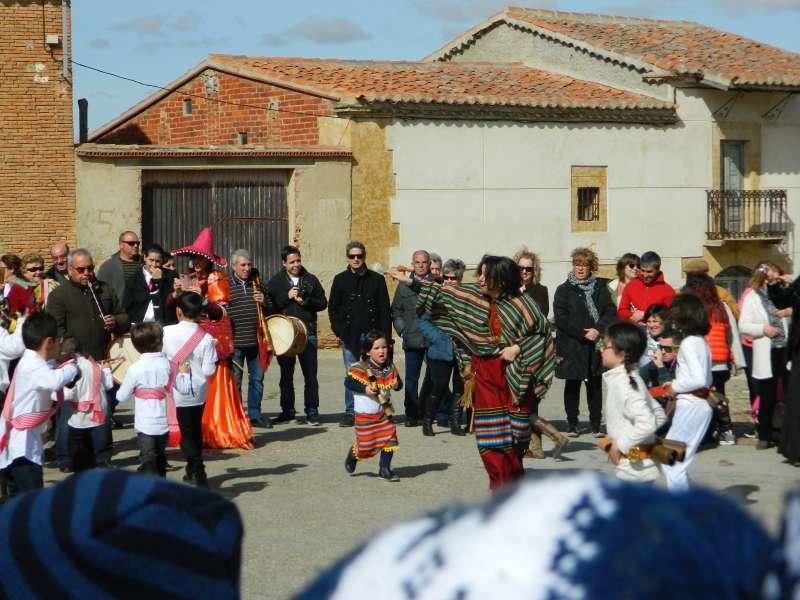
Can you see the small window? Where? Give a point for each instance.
(588, 203)
(242, 137)
(187, 106)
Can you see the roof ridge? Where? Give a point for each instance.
(602, 18)
(364, 61)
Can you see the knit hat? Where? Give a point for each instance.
(116, 534)
(696, 265)
(203, 245)
(581, 536)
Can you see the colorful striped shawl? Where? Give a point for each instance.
(466, 319)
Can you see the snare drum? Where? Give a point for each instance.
(288, 335)
(121, 355)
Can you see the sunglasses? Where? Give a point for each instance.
(83, 270)
(668, 348)
(633, 266)
(526, 269)
(450, 278)
(355, 256)
(131, 243)
(34, 269)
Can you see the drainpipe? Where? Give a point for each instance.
(65, 41)
(83, 120)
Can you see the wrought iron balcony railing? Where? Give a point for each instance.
(746, 214)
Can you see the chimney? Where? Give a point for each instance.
(83, 120)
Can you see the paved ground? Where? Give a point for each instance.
(301, 510)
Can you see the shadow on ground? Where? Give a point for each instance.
(242, 487)
(289, 434)
(741, 493)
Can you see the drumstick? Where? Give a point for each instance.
(97, 302)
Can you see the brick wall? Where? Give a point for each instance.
(37, 171)
(219, 121)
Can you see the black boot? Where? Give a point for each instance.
(455, 428)
(385, 468)
(429, 408)
(200, 478)
(351, 461)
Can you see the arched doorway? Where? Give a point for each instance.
(734, 279)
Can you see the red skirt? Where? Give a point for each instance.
(374, 433)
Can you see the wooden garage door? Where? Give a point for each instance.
(245, 208)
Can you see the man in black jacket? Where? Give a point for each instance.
(359, 301)
(147, 296)
(297, 293)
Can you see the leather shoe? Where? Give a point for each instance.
(387, 474)
(261, 423)
(350, 462)
(347, 421)
(411, 422)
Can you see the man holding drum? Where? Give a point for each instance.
(297, 293)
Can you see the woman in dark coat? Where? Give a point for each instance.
(582, 308)
(786, 294)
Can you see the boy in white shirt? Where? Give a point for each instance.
(150, 381)
(29, 403)
(186, 342)
(11, 348)
(87, 426)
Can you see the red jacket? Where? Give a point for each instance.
(639, 296)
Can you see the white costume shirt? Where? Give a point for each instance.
(82, 391)
(11, 347)
(694, 368)
(34, 385)
(150, 313)
(202, 361)
(150, 371)
(632, 418)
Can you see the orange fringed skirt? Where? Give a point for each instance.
(225, 423)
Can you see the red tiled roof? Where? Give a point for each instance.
(452, 83)
(682, 47)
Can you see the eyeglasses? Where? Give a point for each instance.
(668, 348)
(450, 278)
(355, 256)
(131, 243)
(34, 269)
(83, 270)
(526, 269)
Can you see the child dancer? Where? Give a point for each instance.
(89, 408)
(150, 381)
(371, 381)
(28, 404)
(188, 342)
(632, 416)
(689, 318)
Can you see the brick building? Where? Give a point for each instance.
(37, 161)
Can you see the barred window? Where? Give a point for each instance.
(588, 203)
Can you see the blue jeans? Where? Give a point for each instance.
(308, 365)
(255, 380)
(349, 358)
(414, 360)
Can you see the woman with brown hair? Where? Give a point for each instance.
(17, 291)
(583, 308)
(627, 270)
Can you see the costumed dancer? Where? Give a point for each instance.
(28, 404)
(505, 350)
(150, 381)
(225, 423)
(691, 385)
(632, 416)
(89, 408)
(188, 342)
(371, 380)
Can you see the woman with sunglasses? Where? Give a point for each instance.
(33, 273)
(627, 270)
(17, 290)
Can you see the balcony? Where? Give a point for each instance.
(747, 215)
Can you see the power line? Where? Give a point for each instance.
(207, 98)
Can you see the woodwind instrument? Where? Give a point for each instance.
(97, 302)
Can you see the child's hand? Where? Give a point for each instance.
(658, 358)
(372, 391)
(614, 455)
(184, 368)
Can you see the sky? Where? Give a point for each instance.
(156, 41)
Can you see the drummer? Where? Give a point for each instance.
(89, 311)
(297, 293)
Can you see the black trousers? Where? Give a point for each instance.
(594, 398)
(768, 391)
(190, 420)
(308, 365)
(436, 391)
(81, 448)
(22, 476)
(152, 458)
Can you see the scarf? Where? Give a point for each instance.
(587, 287)
(779, 341)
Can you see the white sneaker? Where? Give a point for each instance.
(727, 438)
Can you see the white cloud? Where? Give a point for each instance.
(471, 10)
(328, 30)
(149, 25)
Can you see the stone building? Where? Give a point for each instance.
(535, 127)
(37, 172)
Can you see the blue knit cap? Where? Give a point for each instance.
(583, 536)
(114, 534)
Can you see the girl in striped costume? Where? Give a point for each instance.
(371, 380)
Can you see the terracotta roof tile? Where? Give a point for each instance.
(680, 46)
(455, 83)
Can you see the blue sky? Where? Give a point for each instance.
(157, 40)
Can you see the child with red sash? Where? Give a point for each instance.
(150, 381)
(371, 381)
(29, 405)
(89, 408)
(187, 342)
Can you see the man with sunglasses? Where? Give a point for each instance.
(90, 311)
(359, 302)
(120, 269)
